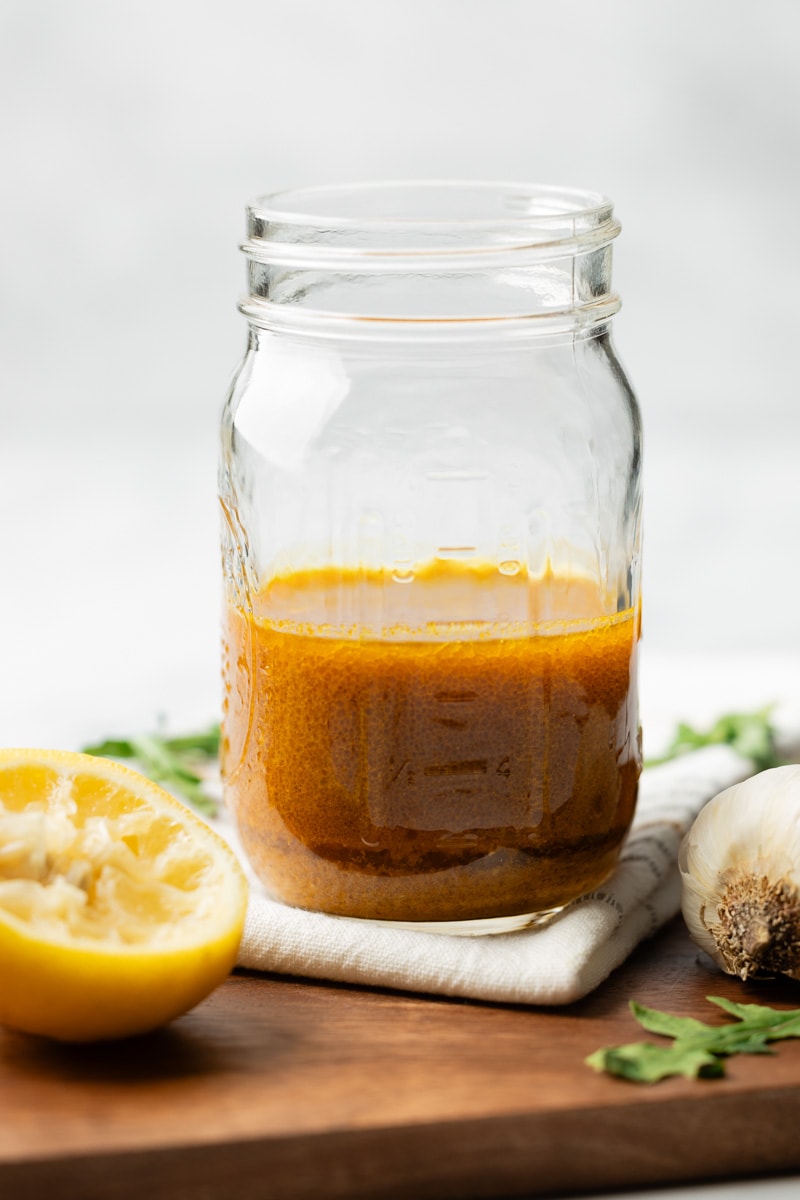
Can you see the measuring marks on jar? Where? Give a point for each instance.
(471, 520)
(455, 511)
(450, 778)
(476, 535)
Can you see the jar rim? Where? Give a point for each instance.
(430, 204)
(431, 250)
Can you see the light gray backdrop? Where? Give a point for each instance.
(133, 134)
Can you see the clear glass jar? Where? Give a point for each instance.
(430, 485)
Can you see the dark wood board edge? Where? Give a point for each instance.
(531, 1155)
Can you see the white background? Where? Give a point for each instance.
(133, 134)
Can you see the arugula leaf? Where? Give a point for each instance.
(660, 1022)
(644, 1062)
(698, 1050)
(177, 762)
(782, 1024)
(750, 734)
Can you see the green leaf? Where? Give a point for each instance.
(698, 1050)
(781, 1023)
(644, 1062)
(755, 1014)
(750, 734)
(205, 744)
(660, 1022)
(110, 749)
(174, 762)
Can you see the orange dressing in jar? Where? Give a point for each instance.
(384, 763)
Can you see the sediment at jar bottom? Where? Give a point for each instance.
(504, 882)
(413, 778)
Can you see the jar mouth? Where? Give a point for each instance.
(430, 253)
(430, 218)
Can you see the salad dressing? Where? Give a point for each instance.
(382, 761)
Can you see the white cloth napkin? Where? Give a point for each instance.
(554, 964)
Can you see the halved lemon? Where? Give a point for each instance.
(120, 908)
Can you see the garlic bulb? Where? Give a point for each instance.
(740, 869)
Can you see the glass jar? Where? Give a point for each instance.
(430, 486)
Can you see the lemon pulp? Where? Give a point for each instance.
(119, 907)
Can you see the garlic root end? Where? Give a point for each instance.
(758, 927)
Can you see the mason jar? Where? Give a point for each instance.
(430, 491)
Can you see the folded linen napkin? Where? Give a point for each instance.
(553, 964)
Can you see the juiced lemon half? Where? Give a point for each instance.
(119, 907)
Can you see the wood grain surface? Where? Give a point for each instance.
(278, 1087)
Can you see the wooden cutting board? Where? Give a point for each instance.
(286, 1088)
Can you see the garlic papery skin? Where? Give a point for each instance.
(740, 874)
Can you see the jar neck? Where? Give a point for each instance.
(431, 256)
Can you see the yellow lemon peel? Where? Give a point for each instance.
(120, 908)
